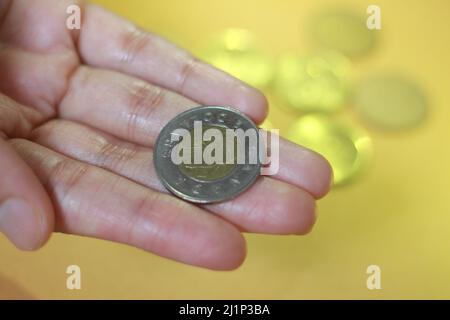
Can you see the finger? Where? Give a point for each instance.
(25, 209)
(93, 202)
(26, 214)
(269, 206)
(34, 79)
(36, 26)
(17, 120)
(304, 168)
(4, 8)
(127, 107)
(37, 52)
(108, 41)
(136, 111)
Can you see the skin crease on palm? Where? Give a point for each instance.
(79, 113)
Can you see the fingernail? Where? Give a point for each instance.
(19, 223)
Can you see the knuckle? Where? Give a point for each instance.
(67, 174)
(134, 41)
(187, 69)
(145, 209)
(144, 99)
(113, 156)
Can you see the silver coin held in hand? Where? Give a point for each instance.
(208, 154)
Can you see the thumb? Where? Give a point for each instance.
(26, 214)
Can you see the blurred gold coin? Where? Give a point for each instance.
(313, 83)
(236, 51)
(390, 101)
(343, 31)
(345, 146)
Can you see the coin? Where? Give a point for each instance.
(236, 52)
(341, 30)
(390, 101)
(315, 83)
(347, 147)
(205, 182)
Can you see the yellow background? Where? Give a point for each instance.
(396, 216)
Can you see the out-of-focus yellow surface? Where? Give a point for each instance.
(396, 216)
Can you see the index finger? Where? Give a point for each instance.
(110, 42)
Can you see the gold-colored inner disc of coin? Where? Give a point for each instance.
(204, 171)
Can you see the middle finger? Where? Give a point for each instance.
(136, 111)
(270, 206)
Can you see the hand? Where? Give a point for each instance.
(79, 113)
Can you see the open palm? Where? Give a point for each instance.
(79, 113)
